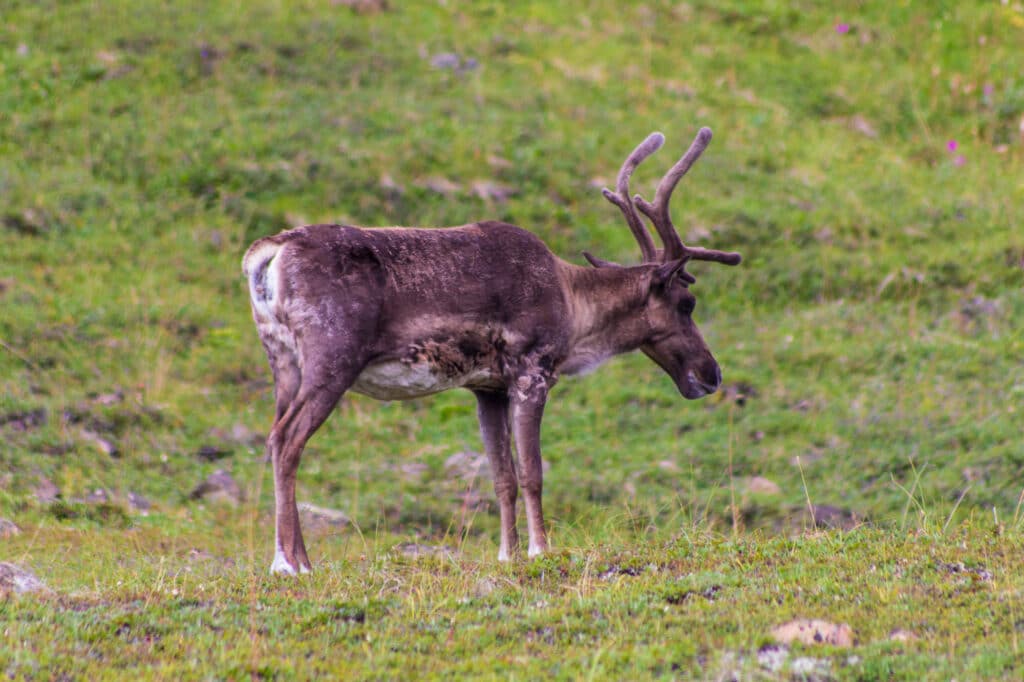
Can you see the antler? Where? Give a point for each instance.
(622, 199)
(658, 213)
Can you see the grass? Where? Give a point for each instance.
(871, 341)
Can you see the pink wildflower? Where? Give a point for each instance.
(842, 28)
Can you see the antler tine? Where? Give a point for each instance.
(658, 211)
(622, 199)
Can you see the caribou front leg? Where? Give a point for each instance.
(528, 400)
(492, 412)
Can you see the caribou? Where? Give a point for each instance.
(398, 313)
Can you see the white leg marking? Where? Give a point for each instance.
(281, 565)
(534, 550)
(503, 554)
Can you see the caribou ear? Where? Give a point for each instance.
(599, 262)
(666, 272)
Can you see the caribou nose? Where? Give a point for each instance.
(711, 380)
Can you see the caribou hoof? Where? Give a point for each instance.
(282, 566)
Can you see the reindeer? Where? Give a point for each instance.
(398, 313)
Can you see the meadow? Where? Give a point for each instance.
(861, 465)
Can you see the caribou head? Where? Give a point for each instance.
(674, 342)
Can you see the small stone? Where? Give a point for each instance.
(499, 163)
(17, 580)
(829, 516)
(109, 398)
(468, 465)
(901, 635)
(138, 503)
(806, 667)
(8, 529)
(24, 420)
(488, 190)
(218, 487)
(46, 491)
(212, 453)
(764, 486)
(863, 126)
(390, 187)
(363, 6)
(484, 587)
(413, 550)
(440, 185)
(104, 445)
(320, 518)
(772, 657)
(445, 60)
(413, 471)
(97, 496)
(808, 631)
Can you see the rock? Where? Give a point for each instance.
(445, 60)
(390, 187)
(218, 487)
(440, 185)
(240, 434)
(772, 657)
(972, 572)
(901, 635)
(17, 580)
(104, 445)
(413, 550)
(827, 516)
(807, 668)
(8, 529)
(764, 486)
(315, 518)
(499, 163)
(46, 491)
(138, 503)
(243, 435)
(488, 190)
(808, 631)
(413, 471)
(24, 420)
(468, 465)
(863, 126)
(109, 398)
(211, 453)
(363, 6)
(97, 496)
(484, 587)
(450, 61)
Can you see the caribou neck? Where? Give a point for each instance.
(608, 311)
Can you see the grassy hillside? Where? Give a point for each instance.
(868, 162)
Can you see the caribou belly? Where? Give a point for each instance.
(398, 380)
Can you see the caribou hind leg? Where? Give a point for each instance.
(300, 414)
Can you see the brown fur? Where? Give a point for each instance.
(399, 312)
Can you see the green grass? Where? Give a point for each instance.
(871, 341)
